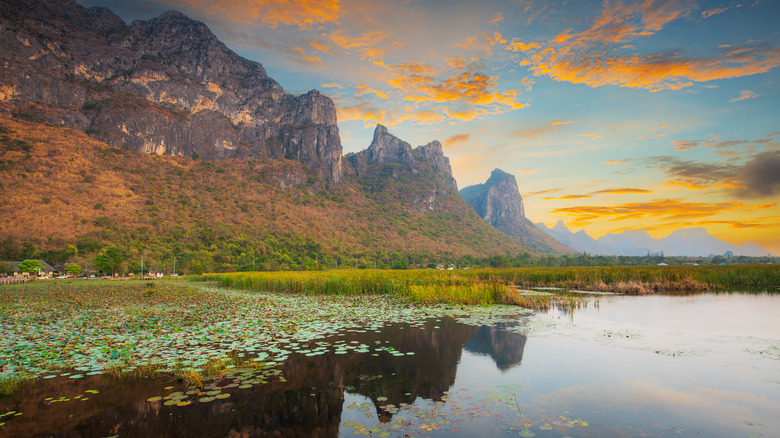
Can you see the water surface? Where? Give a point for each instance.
(705, 365)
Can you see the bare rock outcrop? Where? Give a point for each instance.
(164, 86)
(498, 202)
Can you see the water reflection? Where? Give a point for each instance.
(308, 404)
(504, 347)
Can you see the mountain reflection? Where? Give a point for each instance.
(504, 347)
(308, 404)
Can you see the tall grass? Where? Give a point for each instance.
(10, 383)
(490, 286)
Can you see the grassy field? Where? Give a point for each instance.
(492, 286)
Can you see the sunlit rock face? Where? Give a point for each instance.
(163, 86)
(423, 173)
(498, 202)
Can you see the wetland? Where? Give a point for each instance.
(181, 358)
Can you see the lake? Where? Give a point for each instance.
(619, 366)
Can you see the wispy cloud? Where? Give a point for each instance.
(671, 209)
(542, 192)
(566, 197)
(457, 138)
(622, 191)
(363, 89)
(743, 95)
(305, 14)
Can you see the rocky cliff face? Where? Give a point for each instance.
(386, 148)
(164, 86)
(498, 202)
(425, 170)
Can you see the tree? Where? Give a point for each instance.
(73, 269)
(71, 251)
(109, 260)
(30, 266)
(6, 268)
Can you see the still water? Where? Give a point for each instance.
(657, 366)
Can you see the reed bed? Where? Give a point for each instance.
(494, 286)
(10, 383)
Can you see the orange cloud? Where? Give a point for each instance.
(542, 192)
(622, 191)
(557, 123)
(527, 171)
(660, 208)
(366, 44)
(613, 162)
(364, 112)
(482, 43)
(319, 45)
(414, 68)
(772, 224)
(457, 138)
(300, 55)
(519, 46)
(469, 88)
(591, 135)
(497, 19)
(363, 89)
(527, 83)
(743, 95)
(304, 14)
(684, 145)
(596, 56)
(710, 12)
(567, 197)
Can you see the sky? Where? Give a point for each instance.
(612, 115)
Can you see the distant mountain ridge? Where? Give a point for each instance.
(499, 203)
(694, 242)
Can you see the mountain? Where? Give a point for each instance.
(498, 202)
(694, 242)
(579, 241)
(422, 176)
(66, 193)
(164, 86)
(630, 242)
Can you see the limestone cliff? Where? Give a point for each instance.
(423, 172)
(498, 202)
(163, 86)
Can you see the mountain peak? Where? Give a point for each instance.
(498, 175)
(498, 202)
(560, 226)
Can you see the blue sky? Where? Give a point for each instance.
(611, 115)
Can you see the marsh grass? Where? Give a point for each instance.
(493, 286)
(128, 369)
(189, 376)
(10, 383)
